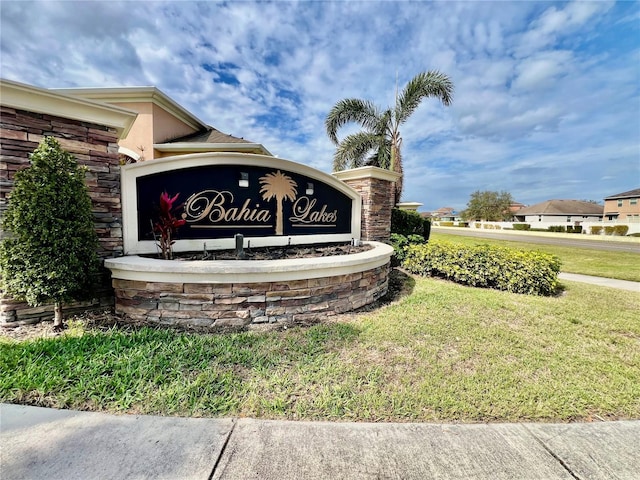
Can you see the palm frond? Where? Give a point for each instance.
(353, 149)
(424, 85)
(350, 110)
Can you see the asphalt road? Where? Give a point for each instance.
(579, 242)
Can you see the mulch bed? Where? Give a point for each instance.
(276, 253)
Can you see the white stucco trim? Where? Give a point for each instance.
(367, 172)
(186, 147)
(246, 271)
(130, 174)
(409, 205)
(39, 100)
(129, 153)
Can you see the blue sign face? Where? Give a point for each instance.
(219, 201)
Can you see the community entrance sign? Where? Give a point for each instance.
(269, 201)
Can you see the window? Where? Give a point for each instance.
(568, 219)
(620, 202)
(633, 201)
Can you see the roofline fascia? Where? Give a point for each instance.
(138, 94)
(211, 147)
(35, 99)
(620, 197)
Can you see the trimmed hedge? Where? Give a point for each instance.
(486, 266)
(409, 222)
(521, 226)
(620, 230)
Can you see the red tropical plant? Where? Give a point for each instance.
(168, 225)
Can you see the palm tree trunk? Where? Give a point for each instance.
(279, 217)
(396, 166)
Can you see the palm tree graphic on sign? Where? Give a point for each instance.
(281, 187)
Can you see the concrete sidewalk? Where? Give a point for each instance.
(601, 281)
(40, 443)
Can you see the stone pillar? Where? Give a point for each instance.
(376, 187)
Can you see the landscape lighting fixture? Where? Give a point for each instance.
(244, 180)
(309, 190)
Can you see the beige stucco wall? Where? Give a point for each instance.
(153, 125)
(140, 138)
(627, 210)
(167, 127)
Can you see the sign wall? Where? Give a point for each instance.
(269, 201)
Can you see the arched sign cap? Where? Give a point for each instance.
(270, 201)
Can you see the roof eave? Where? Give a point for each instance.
(188, 147)
(40, 100)
(137, 94)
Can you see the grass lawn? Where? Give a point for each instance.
(443, 352)
(586, 261)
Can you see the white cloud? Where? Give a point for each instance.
(540, 71)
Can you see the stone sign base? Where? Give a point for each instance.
(216, 295)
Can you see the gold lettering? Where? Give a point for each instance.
(303, 212)
(214, 206)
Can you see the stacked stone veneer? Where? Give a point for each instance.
(95, 146)
(246, 305)
(377, 190)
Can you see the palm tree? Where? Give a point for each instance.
(380, 141)
(281, 187)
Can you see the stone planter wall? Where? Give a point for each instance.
(95, 146)
(241, 305)
(219, 294)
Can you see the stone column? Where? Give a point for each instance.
(375, 185)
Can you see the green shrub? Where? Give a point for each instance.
(557, 228)
(486, 266)
(575, 229)
(409, 222)
(609, 230)
(478, 225)
(400, 243)
(596, 230)
(521, 226)
(446, 224)
(49, 254)
(463, 224)
(620, 230)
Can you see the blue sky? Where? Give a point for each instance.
(546, 103)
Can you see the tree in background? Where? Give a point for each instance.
(488, 206)
(380, 142)
(50, 253)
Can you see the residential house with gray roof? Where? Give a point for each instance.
(560, 212)
(623, 206)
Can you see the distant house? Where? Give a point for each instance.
(560, 212)
(623, 206)
(515, 207)
(446, 214)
